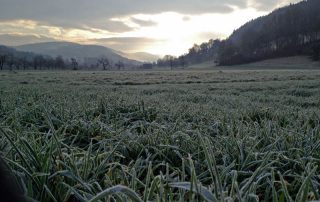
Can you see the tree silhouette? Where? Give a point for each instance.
(59, 62)
(2, 61)
(104, 62)
(119, 65)
(74, 64)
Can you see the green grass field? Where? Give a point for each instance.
(163, 136)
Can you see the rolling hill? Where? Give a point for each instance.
(10, 53)
(84, 53)
(140, 56)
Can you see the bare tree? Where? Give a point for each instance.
(59, 62)
(11, 61)
(17, 63)
(2, 61)
(35, 63)
(50, 62)
(24, 63)
(182, 61)
(119, 65)
(74, 63)
(104, 62)
(38, 62)
(42, 61)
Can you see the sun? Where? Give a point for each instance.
(174, 33)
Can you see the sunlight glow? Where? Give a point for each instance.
(171, 33)
(179, 32)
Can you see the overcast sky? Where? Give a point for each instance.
(155, 26)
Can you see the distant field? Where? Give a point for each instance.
(224, 135)
(296, 62)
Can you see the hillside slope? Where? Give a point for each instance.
(140, 56)
(294, 62)
(283, 63)
(74, 50)
(288, 31)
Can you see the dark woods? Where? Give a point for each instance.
(288, 31)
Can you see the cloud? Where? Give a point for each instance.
(128, 44)
(34, 28)
(143, 23)
(268, 5)
(85, 12)
(186, 18)
(206, 36)
(18, 39)
(110, 25)
(97, 13)
(162, 33)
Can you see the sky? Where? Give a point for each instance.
(156, 26)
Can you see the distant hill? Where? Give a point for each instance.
(11, 53)
(84, 53)
(140, 56)
(61, 55)
(4, 50)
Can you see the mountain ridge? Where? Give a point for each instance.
(140, 56)
(75, 50)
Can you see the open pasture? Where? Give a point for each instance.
(163, 136)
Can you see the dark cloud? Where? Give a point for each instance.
(95, 13)
(85, 11)
(143, 23)
(111, 25)
(17, 39)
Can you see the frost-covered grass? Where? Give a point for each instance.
(163, 136)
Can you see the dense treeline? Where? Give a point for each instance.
(288, 31)
(11, 59)
(207, 51)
